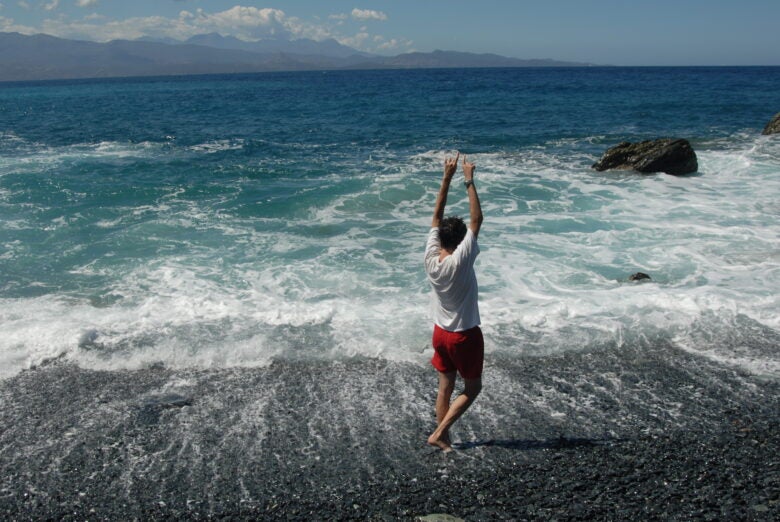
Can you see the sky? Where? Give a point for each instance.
(609, 32)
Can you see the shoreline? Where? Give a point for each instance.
(672, 436)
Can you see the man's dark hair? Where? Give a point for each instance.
(452, 230)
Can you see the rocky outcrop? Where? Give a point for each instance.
(639, 276)
(773, 127)
(672, 156)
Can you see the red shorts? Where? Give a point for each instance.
(461, 351)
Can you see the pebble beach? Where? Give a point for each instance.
(652, 440)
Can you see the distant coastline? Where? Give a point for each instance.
(44, 57)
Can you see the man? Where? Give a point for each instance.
(457, 339)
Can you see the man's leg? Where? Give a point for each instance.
(440, 437)
(446, 387)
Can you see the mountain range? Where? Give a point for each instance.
(44, 57)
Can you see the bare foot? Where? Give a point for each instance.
(443, 443)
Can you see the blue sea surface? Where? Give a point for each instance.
(225, 221)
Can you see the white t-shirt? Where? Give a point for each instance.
(454, 283)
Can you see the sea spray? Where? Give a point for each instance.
(294, 229)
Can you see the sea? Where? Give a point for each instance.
(218, 222)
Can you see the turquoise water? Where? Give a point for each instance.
(231, 220)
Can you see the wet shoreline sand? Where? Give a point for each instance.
(633, 433)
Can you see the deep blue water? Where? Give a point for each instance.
(230, 220)
(488, 109)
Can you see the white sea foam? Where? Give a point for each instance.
(344, 277)
(176, 316)
(29, 157)
(32, 158)
(211, 147)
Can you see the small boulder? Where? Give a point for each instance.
(168, 400)
(669, 155)
(639, 276)
(773, 127)
(152, 408)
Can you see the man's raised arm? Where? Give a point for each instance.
(450, 166)
(475, 209)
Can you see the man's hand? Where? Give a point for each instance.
(468, 169)
(450, 166)
(475, 209)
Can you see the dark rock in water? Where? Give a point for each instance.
(168, 400)
(438, 517)
(672, 156)
(150, 411)
(638, 276)
(88, 339)
(773, 127)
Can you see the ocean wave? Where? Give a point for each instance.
(236, 264)
(205, 316)
(214, 146)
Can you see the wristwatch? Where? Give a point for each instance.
(469, 183)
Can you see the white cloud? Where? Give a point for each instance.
(86, 3)
(250, 22)
(51, 6)
(368, 14)
(358, 41)
(246, 23)
(392, 44)
(7, 25)
(342, 16)
(23, 4)
(381, 44)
